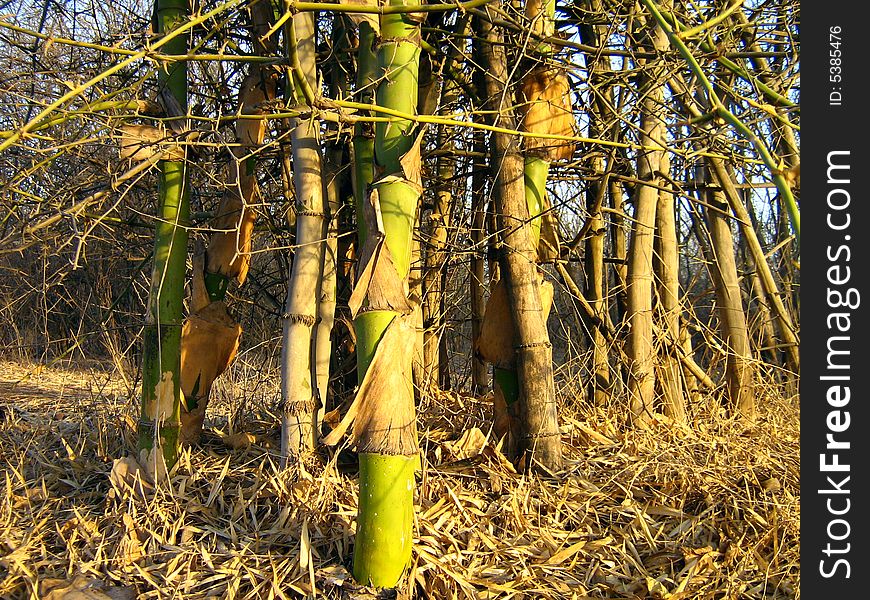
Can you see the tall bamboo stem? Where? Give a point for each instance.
(641, 380)
(539, 434)
(732, 318)
(479, 378)
(596, 278)
(161, 353)
(720, 174)
(298, 388)
(388, 458)
(667, 267)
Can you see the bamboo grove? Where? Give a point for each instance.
(544, 203)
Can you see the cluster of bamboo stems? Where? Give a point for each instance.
(403, 93)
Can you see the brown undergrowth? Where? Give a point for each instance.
(711, 512)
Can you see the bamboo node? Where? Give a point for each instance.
(300, 407)
(307, 320)
(533, 345)
(146, 424)
(407, 446)
(415, 38)
(536, 436)
(399, 178)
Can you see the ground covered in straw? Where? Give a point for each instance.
(711, 512)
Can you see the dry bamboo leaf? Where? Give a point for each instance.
(473, 524)
(199, 297)
(31, 496)
(656, 588)
(562, 555)
(371, 18)
(229, 250)
(238, 194)
(304, 547)
(544, 104)
(378, 282)
(334, 575)
(138, 143)
(82, 588)
(127, 473)
(593, 434)
(472, 442)
(209, 342)
(495, 344)
(498, 457)
(83, 526)
(130, 550)
(771, 485)
(153, 463)
(257, 89)
(382, 413)
(239, 441)
(411, 162)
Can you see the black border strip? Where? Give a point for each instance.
(835, 297)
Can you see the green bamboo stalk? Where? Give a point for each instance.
(369, 327)
(161, 361)
(383, 546)
(535, 172)
(385, 519)
(363, 142)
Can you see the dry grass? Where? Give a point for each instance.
(668, 513)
